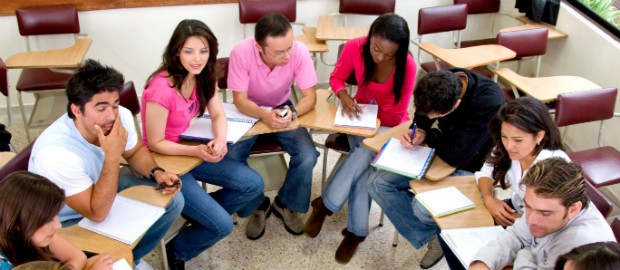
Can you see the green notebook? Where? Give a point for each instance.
(445, 201)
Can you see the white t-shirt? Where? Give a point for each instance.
(64, 157)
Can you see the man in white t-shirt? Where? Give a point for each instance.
(82, 150)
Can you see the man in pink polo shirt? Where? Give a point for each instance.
(260, 73)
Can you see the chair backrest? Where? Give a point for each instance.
(4, 80)
(615, 227)
(602, 203)
(17, 163)
(442, 19)
(526, 43)
(221, 71)
(250, 11)
(480, 6)
(367, 7)
(47, 20)
(129, 100)
(585, 106)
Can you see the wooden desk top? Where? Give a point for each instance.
(116, 255)
(476, 217)
(546, 89)
(96, 243)
(326, 30)
(5, 157)
(438, 169)
(529, 24)
(469, 57)
(309, 38)
(70, 57)
(322, 117)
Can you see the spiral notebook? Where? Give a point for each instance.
(200, 129)
(466, 242)
(127, 220)
(395, 158)
(445, 201)
(368, 117)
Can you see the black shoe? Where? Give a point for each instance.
(173, 262)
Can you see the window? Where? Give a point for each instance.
(605, 13)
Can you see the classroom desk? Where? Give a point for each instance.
(5, 157)
(438, 169)
(322, 117)
(469, 57)
(309, 38)
(545, 89)
(326, 30)
(529, 24)
(116, 255)
(476, 217)
(99, 244)
(70, 57)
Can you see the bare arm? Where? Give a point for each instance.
(307, 101)
(271, 118)
(67, 253)
(502, 213)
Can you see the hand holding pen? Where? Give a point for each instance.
(349, 106)
(412, 137)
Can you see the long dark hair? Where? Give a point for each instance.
(529, 115)
(171, 63)
(27, 202)
(394, 28)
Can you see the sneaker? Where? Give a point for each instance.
(347, 248)
(173, 262)
(256, 225)
(293, 221)
(433, 255)
(143, 265)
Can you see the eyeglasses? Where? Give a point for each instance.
(280, 54)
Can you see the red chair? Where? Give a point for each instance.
(250, 11)
(602, 203)
(615, 227)
(600, 165)
(475, 7)
(366, 7)
(4, 89)
(17, 163)
(129, 100)
(432, 20)
(44, 82)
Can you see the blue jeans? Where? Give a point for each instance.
(295, 192)
(152, 237)
(210, 214)
(410, 217)
(350, 182)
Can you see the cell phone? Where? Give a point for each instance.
(283, 113)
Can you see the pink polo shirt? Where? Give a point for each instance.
(266, 87)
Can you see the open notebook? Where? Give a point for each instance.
(368, 119)
(127, 221)
(444, 201)
(200, 129)
(466, 242)
(395, 158)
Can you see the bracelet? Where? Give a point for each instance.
(152, 174)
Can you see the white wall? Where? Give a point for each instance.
(132, 41)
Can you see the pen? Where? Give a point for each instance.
(283, 113)
(413, 132)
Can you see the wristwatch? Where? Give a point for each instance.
(152, 174)
(294, 115)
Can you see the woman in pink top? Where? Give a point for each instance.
(179, 90)
(385, 72)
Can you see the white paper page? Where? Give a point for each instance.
(127, 220)
(444, 200)
(200, 129)
(121, 264)
(394, 157)
(466, 242)
(368, 119)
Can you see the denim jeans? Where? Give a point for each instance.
(409, 216)
(350, 182)
(210, 214)
(152, 237)
(295, 192)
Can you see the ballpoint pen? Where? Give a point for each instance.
(415, 126)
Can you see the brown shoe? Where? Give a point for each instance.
(433, 255)
(347, 248)
(315, 222)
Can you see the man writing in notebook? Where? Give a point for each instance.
(82, 150)
(260, 74)
(558, 218)
(461, 103)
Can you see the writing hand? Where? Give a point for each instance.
(350, 108)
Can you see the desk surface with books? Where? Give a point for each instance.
(438, 169)
(93, 242)
(477, 217)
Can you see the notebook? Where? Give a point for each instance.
(200, 129)
(121, 264)
(395, 158)
(445, 201)
(368, 119)
(466, 242)
(127, 221)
